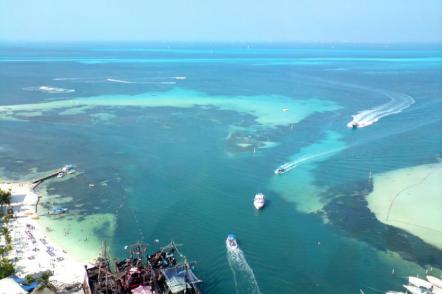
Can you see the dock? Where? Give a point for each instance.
(38, 181)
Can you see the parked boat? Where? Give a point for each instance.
(419, 283)
(435, 281)
(231, 242)
(415, 290)
(165, 271)
(259, 201)
(58, 210)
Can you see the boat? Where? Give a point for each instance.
(259, 201)
(231, 242)
(394, 292)
(165, 271)
(280, 170)
(58, 210)
(419, 283)
(435, 281)
(60, 175)
(414, 290)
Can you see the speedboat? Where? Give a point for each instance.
(259, 201)
(231, 242)
(280, 170)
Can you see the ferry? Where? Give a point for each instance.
(259, 201)
(231, 242)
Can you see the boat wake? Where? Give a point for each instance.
(242, 272)
(119, 81)
(398, 103)
(288, 166)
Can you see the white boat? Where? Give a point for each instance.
(60, 175)
(280, 170)
(419, 283)
(231, 242)
(259, 201)
(414, 290)
(394, 292)
(435, 281)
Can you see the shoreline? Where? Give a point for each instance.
(33, 251)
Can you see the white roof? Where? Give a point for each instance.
(9, 286)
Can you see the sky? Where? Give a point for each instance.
(355, 21)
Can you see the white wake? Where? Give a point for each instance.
(288, 166)
(398, 102)
(242, 272)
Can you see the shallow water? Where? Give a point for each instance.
(182, 158)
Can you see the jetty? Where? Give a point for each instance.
(67, 169)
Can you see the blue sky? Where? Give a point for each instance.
(374, 21)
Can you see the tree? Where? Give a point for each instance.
(6, 268)
(5, 198)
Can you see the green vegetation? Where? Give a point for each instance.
(29, 279)
(5, 199)
(6, 266)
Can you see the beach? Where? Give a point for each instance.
(410, 199)
(33, 252)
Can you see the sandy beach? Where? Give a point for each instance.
(410, 199)
(33, 251)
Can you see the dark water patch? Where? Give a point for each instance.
(351, 214)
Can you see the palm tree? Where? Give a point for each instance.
(5, 198)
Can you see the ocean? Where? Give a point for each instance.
(172, 142)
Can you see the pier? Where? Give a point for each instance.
(36, 182)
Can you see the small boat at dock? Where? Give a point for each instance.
(414, 281)
(435, 281)
(415, 290)
(231, 242)
(259, 201)
(58, 210)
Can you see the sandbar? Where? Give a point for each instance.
(410, 199)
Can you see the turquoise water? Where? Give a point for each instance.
(177, 141)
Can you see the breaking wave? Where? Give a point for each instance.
(48, 89)
(242, 272)
(398, 102)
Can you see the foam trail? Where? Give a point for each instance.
(398, 102)
(242, 272)
(288, 166)
(48, 89)
(120, 81)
